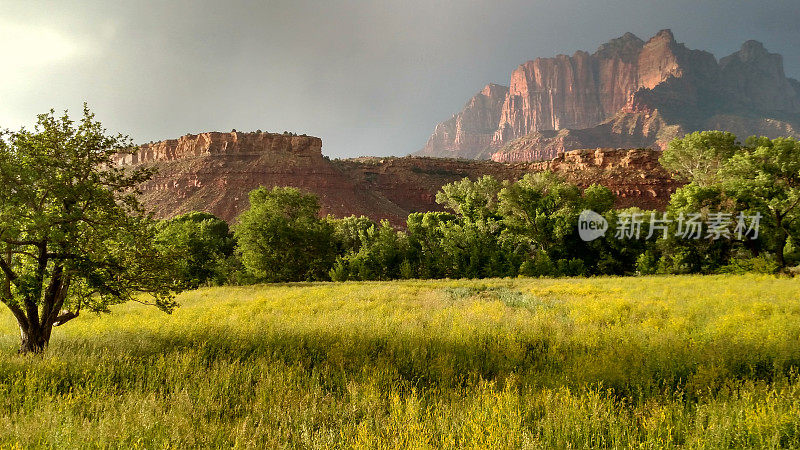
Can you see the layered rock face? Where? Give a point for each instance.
(217, 144)
(214, 172)
(755, 78)
(469, 133)
(636, 129)
(634, 175)
(628, 93)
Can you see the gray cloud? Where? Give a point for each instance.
(368, 77)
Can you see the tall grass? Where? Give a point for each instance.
(701, 362)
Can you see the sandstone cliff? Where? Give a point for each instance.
(214, 172)
(629, 93)
(220, 144)
(469, 133)
(634, 175)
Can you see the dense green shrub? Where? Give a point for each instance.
(205, 245)
(280, 237)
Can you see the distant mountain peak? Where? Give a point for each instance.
(625, 46)
(663, 35)
(492, 89)
(752, 52)
(629, 92)
(753, 47)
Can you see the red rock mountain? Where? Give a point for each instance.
(214, 172)
(629, 93)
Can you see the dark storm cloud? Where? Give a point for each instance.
(368, 77)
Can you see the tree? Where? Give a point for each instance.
(698, 156)
(473, 200)
(203, 241)
(472, 245)
(541, 207)
(351, 233)
(280, 238)
(683, 251)
(73, 236)
(380, 258)
(425, 240)
(764, 176)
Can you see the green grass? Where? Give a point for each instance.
(652, 362)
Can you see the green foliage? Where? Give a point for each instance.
(598, 198)
(473, 200)
(280, 237)
(73, 236)
(759, 264)
(698, 156)
(204, 243)
(350, 233)
(496, 229)
(680, 254)
(647, 263)
(765, 176)
(529, 227)
(610, 255)
(542, 208)
(425, 240)
(540, 265)
(379, 259)
(762, 176)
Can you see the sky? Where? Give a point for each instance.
(368, 77)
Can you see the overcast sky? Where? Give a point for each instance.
(368, 77)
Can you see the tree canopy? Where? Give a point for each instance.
(204, 244)
(761, 176)
(73, 236)
(281, 238)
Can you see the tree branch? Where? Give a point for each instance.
(65, 317)
(10, 275)
(16, 242)
(19, 314)
(49, 300)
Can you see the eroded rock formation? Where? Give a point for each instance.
(469, 133)
(629, 93)
(634, 175)
(214, 172)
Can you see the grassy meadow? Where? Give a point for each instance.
(649, 362)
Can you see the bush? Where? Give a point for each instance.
(204, 244)
(647, 263)
(764, 263)
(539, 266)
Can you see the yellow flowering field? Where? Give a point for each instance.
(646, 362)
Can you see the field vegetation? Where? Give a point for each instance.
(639, 362)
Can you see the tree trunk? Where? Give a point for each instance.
(34, 339)
(35, 333)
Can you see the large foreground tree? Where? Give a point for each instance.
(73, 237)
